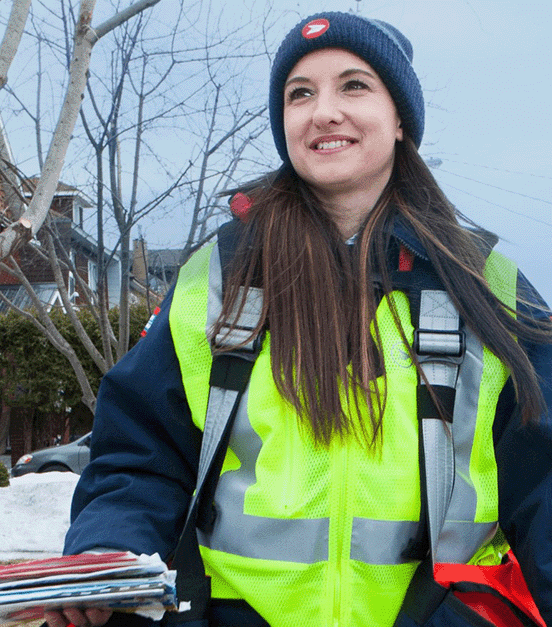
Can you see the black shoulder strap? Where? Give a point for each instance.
(228, 238)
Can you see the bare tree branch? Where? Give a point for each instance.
(67, 264)
(237, 127)
(12, 36)
(13, 199)
(121, 17)
(80, 330)
(85, 38)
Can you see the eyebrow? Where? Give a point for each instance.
(344, 74)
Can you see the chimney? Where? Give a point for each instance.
(140, 260)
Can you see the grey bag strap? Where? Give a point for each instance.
(439, 346)
(230, 374)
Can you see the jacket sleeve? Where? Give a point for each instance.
(524, 460)
(144, 453)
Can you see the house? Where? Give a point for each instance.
(68, 213)
(156, 269)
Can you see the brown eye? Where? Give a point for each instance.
(355, 85)
(297, 93)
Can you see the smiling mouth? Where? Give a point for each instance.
(339, 143)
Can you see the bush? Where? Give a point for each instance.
(4, 476)
(34, 374)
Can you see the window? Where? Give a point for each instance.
(78, 216)
(71, 281)
(92, 275)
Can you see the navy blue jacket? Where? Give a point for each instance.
(145, 450)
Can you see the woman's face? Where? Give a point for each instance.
(340, 123)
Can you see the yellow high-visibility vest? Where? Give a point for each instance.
(314, 536)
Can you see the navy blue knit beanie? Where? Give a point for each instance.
(381, 45)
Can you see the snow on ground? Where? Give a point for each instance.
(34, 515)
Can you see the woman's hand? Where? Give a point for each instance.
(92, 617)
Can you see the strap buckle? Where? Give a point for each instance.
(249, 351)
(438, 345)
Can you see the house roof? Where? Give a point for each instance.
(167, 258)
(63, 189)
(79, 236)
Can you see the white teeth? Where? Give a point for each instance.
(334, 144)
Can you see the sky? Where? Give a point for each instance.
(484, 66)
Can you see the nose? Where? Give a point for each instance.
(327, 111)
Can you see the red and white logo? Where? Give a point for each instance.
(315, 28)
(150, 321)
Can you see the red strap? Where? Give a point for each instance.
(491, 608)
(505, 578)
(406, 259)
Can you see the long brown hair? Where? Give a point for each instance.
(320, 302)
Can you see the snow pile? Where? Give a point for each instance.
(34, 515)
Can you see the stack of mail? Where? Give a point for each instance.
(120, 581)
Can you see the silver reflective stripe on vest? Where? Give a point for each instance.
(220, 403)
(439, 475)
(373, 541)
(245, 321)
(455, 537)
(302, 540)
(381, 541)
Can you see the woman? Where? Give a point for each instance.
(319, 504)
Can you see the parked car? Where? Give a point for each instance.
(71, 457)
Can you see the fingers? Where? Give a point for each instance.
(55, 619)
(97, 616)
(92, 617)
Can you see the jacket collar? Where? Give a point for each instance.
(403, 232)
(483, 239)
(406, 235)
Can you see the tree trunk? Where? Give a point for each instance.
(124, 310)
(4, 426)
(21, 432)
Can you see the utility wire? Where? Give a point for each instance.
(548, 202)
(488, 167)
(519, 213)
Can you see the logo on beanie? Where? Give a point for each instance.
(315, 28)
